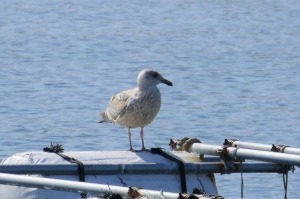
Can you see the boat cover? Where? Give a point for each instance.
(168, 182)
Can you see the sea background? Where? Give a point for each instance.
(235, 67)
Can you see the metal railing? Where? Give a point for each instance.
(78, 187)
(235, 152)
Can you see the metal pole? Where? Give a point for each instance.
(72, 186)
(279, 158)
(249, 145)
(93, 169)
(263, 147)
(205, 167)
(206, 149)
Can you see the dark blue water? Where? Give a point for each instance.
(234, 65)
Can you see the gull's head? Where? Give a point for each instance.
(147, 78)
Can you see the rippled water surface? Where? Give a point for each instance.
(234, 66)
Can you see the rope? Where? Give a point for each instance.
(58, 149)
(183, 144)
(242, 180)
(285, 168)
(285, 175)
(80, 166)
(180, 166)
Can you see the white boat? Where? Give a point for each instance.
(150, 174)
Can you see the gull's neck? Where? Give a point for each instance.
(146, 87)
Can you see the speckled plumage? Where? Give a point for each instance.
(137, 107)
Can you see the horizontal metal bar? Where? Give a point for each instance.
(246, 167)
(191, 168)
(263, 147)
(206, 149)
(71, 186)
(249, 145)
(241, 153)
(279, 158)
(101, 169)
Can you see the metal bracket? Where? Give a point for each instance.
(279, 148)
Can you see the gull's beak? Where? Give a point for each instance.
(165, 81)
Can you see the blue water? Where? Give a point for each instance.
(234, 66)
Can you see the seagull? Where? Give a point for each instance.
(137, 107)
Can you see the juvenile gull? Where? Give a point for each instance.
(137, 107)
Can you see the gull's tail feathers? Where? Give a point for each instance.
(104, 118)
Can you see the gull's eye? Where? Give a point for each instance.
(155, 74)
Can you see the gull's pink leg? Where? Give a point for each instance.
(129, 135)
(142, 136)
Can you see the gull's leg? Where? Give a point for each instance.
(142, 136)
(129, 135)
